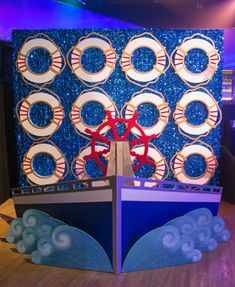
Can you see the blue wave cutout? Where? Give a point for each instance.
(180, 241)
(52, 242)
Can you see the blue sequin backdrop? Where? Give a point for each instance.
(68, 87)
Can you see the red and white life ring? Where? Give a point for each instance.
(197, 41)
(95, 95)
(24, 114)
(181, 157)
(54, 69)
(152, 97)
(146, 40)
(213, 111)
(80, 164)
(31, 174)
(93, 40)
(157, 157)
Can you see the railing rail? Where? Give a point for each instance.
(110, 183)
(77, 185)
(164, 185)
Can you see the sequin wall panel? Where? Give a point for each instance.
(67, 82)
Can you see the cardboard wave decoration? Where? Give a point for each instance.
(180, 241)
(52, 242)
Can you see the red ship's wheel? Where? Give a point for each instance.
(111, 123)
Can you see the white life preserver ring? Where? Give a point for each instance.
(157, 157)
(97, 95)
(181, 157)
(155, 98)
(143, 78)
(80, 164)
(93, 40)
(207, 45)
(55, 68)
(31, 174)
(24, 114)
(212, 107)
